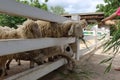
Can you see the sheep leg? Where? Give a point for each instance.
(8, 64)
(31, 64)
(51, 59)
(3, 71)
(19, 63)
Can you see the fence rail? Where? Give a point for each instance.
(15, 8)
(18, 45)
(11, 7)
(39, 71)
(42, 70)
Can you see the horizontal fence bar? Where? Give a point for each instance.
(39, 71)
(15, 8)
(92, 33)
(15, 46)
(92, 47)
(89, 37)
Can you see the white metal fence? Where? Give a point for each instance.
(19, 45)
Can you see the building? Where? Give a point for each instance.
(90, 17)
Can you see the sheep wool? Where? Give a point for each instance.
(29, 30)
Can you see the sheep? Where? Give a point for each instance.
(32, 56)
(66, 29)
(3, 60)
(64, 51)
(23, 56)
(29, 30)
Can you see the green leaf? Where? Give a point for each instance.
(108, 68)
(106, 60)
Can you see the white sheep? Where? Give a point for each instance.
(29, 30)
(56, 51)
(55, 30)
(8, 33)
(66, 29)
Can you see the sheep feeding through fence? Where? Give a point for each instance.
(11, 7)
(16, 33)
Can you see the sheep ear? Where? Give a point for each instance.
(70, 32)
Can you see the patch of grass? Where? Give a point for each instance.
(82, 75)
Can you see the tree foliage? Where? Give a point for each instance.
(58, 10)
(113, 44)
(109, 7)
(12, 21)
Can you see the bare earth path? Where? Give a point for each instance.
(92, 64)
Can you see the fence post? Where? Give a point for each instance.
(78, 49)
(95, 34)
(107, 31)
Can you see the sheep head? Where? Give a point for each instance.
(30, 29)
(76, 29)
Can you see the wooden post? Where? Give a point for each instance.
(107, 30)
(78, 49)
(95, 34)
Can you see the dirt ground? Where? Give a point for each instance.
(90, 69)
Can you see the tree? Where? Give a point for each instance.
(109, 7)
(12, 21)
(58, 10)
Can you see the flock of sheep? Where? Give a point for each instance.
(40, 29)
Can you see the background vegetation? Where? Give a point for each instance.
(13, 21)
(108, 8)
